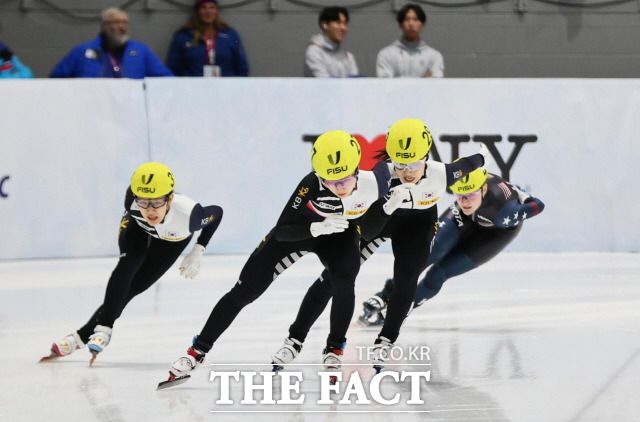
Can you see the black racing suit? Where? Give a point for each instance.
(411, 232)
(291, 239)
(146, 254)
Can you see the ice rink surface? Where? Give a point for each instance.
(527, 337)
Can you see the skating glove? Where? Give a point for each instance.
(191, 263)
(484, 151)
(330, 225)
(398, 195)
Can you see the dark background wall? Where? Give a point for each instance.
(499, 38)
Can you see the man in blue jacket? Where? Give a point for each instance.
(111, 55)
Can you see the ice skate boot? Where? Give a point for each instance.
(65, 346)
(332, 360)
(286, 354)
(179, 372)
(98, 341)
(372, 311)
(380, 353)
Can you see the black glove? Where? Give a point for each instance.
(538, 203)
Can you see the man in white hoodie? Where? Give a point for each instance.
(410, 57)
(324, 56)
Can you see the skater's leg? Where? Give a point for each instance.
(161, 256)
(479, 247)
(453, 264)
(411, 243)
(319, 294)
(341, 257)
(133, 243)
(313, 304)
(263, 266)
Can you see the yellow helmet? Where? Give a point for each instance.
(152, 180)
(471, 182)
(408, 140)
(335, 155)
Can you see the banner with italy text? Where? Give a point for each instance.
(244, 144)
(68, 148)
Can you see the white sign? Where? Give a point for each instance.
(69, 146)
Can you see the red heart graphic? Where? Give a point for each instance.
(370, 150)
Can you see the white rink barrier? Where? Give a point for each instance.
(69, 146)
(68, 149)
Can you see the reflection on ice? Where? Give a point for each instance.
(528, 337)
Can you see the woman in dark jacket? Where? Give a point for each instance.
(207, 45)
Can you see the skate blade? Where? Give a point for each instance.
(94, 355)
(172, 383)
(364, 322)
(276, 368)
(378, 368)
(51, 356)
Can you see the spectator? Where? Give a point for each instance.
(206, 41)
(10, 65)
(409, 56)
(324, 57)
(111, 55)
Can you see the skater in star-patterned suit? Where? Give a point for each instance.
(473, 230)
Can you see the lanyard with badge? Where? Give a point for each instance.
(210, 69)
(115, 65)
